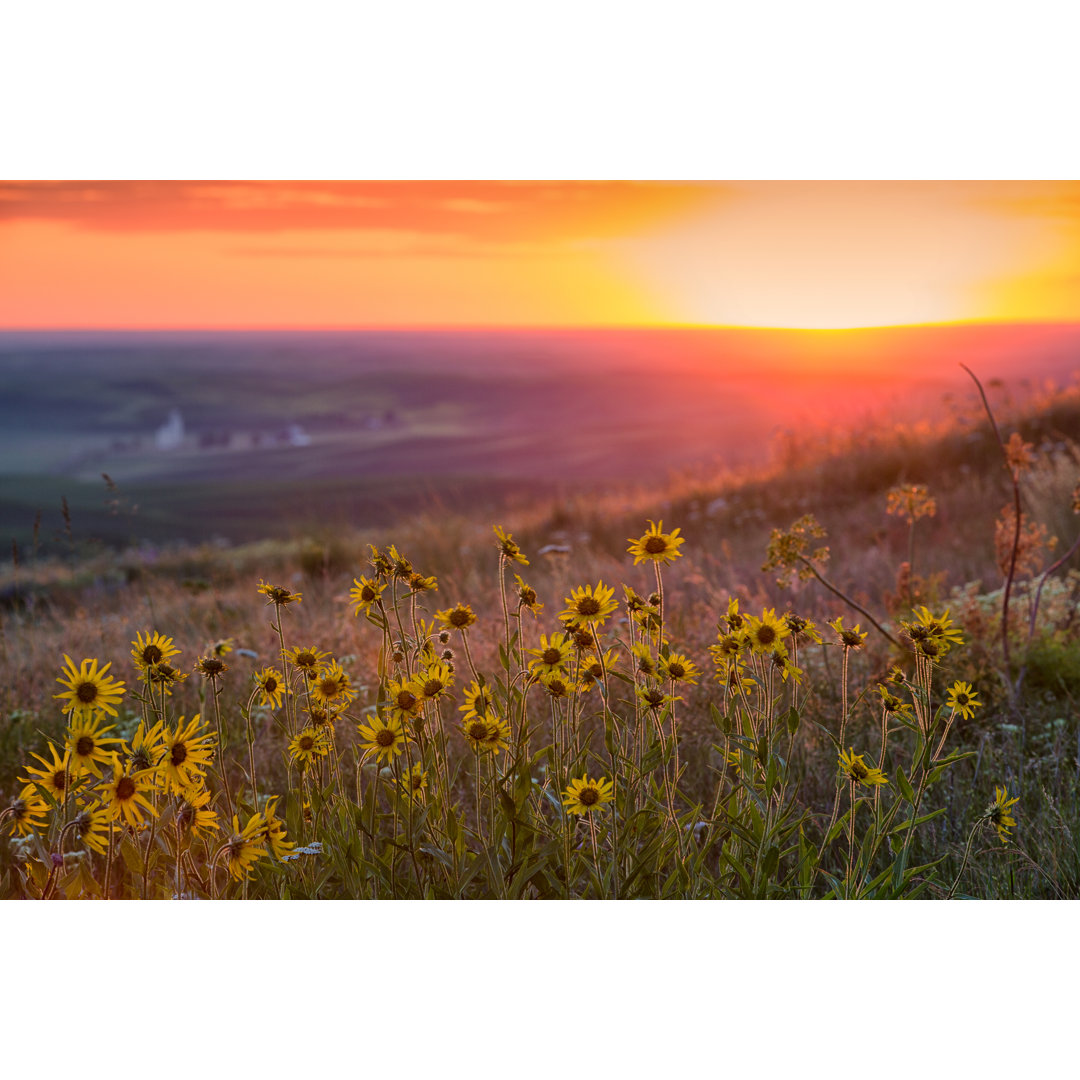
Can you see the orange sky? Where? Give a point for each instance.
(313, 254)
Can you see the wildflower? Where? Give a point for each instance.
(400, 566)
(364, 593)
(999, 813)
(891, 704)
(552, 656)
(585, 795)
(126, 794)
(245, 847)
(527, 596)
(88, 745)
(155, 649)
(678, 668)
(185, 752)
(278, 595)
(634, 603)
(271, 684)
(272, 830)
(478, 700)
(332, 686)
(728, 647)
(164, 675)
(211, 667)
(404, 699)
(850, 637)
(54, 777)
(508, 547)
(1031, 543)
(220, 648)
(307, 660)
(193, 811)
(587, 607)
(781, 663)
(1019, 454)
(457, 618)
(910, 502)
(656, 546)
(789, 551)
(937, 627)
(414, 782)
(434, 681)
(310, 744)
(961, 698)
(766, 633)
(643, 659)
(802, 628)
(858, 771)
(24, 812)
(734, 618)
(379, 562)
(146, 746)
(92, 826)
(654, 698)
(386, 739)
(419, 584)
(487, 732)
(88, 689)
(593, 669)
(320, 717)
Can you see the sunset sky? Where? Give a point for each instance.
(151, 254)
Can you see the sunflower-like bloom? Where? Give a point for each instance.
(89, 690)
(418, 583)
(644, 661)
(272, 830)
(765, 634)
(164, 676)
(223, 646)
(54, 777)
(89, 745)
(585, 795)
(802, 628)
(678, 668)
(552, 656)
(413, 783)
(364, 593)
(310, 744)
(146, 746)
(652, 697)
(23, 812)
(401, 566)
(999, 813)
(126, 794)
(185, 751)
(434, 681)
(404, 699)
(385, 738)
(858, 771)
(593, 668)
(245, 847)
(589, 607)
(193, 812)
(961, 698)
(850, 637)
(331, 688)
(488, 732)
(154, 649)
(938, 628)
(211, 666)
(656, 545)
(459, 617)
(307, 660)
(91, 825)
(278, 595)
(271, 684)
(891, 704)
(508, 546)
(526, 595)
(478, 700)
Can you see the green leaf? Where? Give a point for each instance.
(906, 789)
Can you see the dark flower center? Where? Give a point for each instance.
(305, 658)
(588, 605)
(676, 670)
(85, 746)
(459, 617)
(59, 779)
(125, 788)
(406, 700)
(765, 634)
(179, 754)
(270, 685)
(433, 687)
(86, 692)
(385, 737)
(151, 654)
(588, 796)
(367, 594)
(551, 656)
(655, 544)
(306, 742)
(478, 730)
